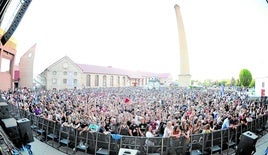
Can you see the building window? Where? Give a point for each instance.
(64, 73)
(75, 73)
(104, 83)
(88, 81)
(75, 82)
(64, 81)
(54, 81)
(118, 81)
(54, 72)
(96, 80)
(124, 81)
(111, 81)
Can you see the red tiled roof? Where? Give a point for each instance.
(163, 75)
(116, 71)
(106, 70)
(85, 68)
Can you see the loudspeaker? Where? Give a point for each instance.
(11, 129)
(25, 131)
(4, 110)
(124, 151)
(247, 143)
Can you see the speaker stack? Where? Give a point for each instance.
(18, 131)
(247, 143)
(25, 131)
(11, 129)
(4, 110)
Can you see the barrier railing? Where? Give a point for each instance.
(68, 139)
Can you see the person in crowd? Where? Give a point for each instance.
(102, 128)
(37, 110)
(63, 117)
(107, 121)
(149, 134)
(142, 127)
(184, 123)
(114, 126)
(197, 127)
(234, 122)
(249, 118)
(124, 129)
(186, 132)
(217, 125)
(176, 133)
(243, 120)
(68, 122)
(93, 126)
(83, 126)
(190, 128)
(226, 123)
(133, 128)
(154, 124)
(47, 116)
(161, 128)
(76, 123)
(168, 129)
(207, 129)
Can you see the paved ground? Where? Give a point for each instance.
(41, 148)
(262, 145)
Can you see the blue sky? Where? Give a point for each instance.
(223, 36)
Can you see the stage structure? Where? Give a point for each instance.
(7, 54)
(184, 76)
(11, 13)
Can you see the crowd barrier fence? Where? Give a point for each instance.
(60, 137)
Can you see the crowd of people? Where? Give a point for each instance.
(134, 111)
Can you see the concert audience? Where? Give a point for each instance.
(129, 111)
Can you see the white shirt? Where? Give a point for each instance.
(148, 142)
(167, 132)
(149, 134)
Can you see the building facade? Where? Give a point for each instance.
(26, 65)
(261, 87)
(65, 74)
(8, 54)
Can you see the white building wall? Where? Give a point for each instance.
(61, 71)
(261, 86)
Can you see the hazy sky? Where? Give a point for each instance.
(223, 36)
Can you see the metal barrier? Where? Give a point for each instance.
(69, 140)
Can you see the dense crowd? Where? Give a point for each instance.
(133, 111)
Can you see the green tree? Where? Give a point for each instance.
(245, 77)
(237, 82)
(252, 83)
